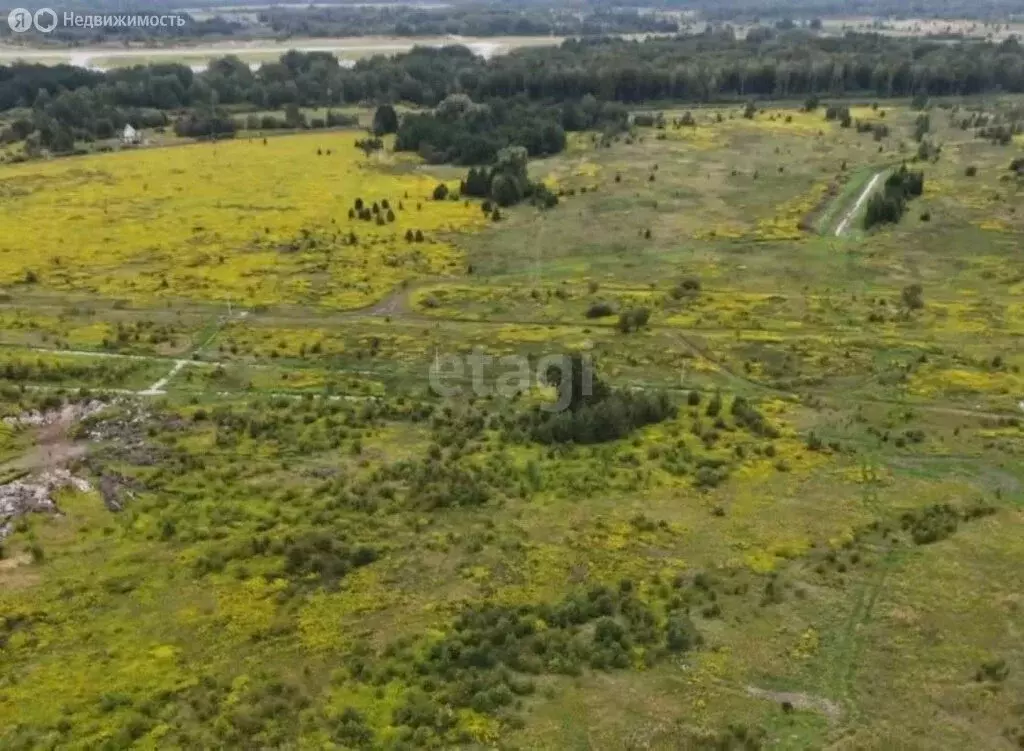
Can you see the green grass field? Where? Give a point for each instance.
(820, 548)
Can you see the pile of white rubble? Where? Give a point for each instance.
(34, 494)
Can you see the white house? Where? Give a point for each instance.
(130, 136)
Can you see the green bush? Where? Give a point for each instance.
(600, 310)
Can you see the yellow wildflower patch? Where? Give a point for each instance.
(246, 221)
(785, 223)
(958, 380)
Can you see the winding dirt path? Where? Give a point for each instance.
(858, 204)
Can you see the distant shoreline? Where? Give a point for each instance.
(101, 57)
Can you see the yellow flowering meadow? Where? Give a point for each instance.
(248, 221)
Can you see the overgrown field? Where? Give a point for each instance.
(791, 518)
(251, 222)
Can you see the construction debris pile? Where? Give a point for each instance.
(35, 495)
(66, 415)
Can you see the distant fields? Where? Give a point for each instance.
(315, 550)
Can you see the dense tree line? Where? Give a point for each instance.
(527, 98)
(742, 10)
(281, 21)
(462, 131)
(703, 67)
(20, 84)
(710, 67)
(481, 20)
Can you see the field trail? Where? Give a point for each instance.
(800, 701)
(858, 204)
(158, 387)
(393, 304)
(396, 305)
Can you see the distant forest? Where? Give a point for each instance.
(717, 9)
(476, 20)
(1002, 10)
(64, 104)
(482, 20)
(487, 19)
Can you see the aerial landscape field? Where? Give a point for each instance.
(786, 511)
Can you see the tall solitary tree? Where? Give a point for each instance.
(385, 120)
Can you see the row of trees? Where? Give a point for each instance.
(702, 67)
(282, 21)
(888, 205)
(469, 20)
(295, 119)
(529, 98)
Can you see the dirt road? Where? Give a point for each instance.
(858, 204)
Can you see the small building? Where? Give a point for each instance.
(130, 136)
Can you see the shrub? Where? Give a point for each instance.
(688, 286)
(680, 633)
(995, 671)
(931, 524)
(633, 319)
(351, 730)
(369, 145)
(912, 296)
(751, 419)
(709, 477)
(600, 310)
